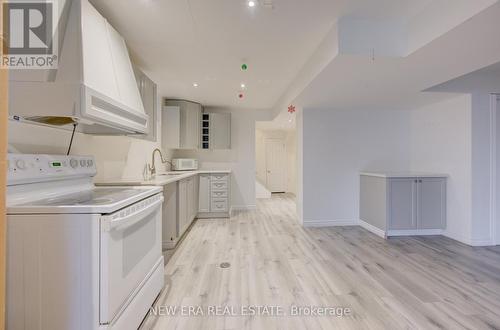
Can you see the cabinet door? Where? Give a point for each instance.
(402, 203)
(220, 131)
(171, 127)
(190, 125)
(431, 209)
(191, 199)
(148, 92)
(196, 188)
(204, 193)
(182, 206)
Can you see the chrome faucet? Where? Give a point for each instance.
(152, 167)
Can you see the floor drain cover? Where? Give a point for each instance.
(225, 265)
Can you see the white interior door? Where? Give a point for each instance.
(275, 165)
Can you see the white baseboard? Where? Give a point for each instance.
(415, 232)
(372, 228)
(381, 233)
(329, 223)
(469, 241)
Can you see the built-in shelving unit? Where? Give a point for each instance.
(205, 131)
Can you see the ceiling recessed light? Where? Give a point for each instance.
(243, 86)
(290, 120)
(195, 85)
(251, 3)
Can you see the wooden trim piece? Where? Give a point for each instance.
(3, 171)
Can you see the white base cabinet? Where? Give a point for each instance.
(187, 203)
(214, 195)
(398, 206)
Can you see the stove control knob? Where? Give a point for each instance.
(90, 163)
(83, 163)
(73, 163)
(20, 164)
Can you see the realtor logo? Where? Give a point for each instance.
(29, 39)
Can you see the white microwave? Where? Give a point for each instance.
(185, 164)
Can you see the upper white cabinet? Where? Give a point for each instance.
(181, 125)
(216, 130)
(149, 95)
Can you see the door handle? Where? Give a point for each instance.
(131, 219)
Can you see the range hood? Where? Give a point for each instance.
(94, 84)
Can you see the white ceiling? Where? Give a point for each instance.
(179, 42)
(400, 83)
(292, 52)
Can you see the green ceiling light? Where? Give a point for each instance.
(244, 67)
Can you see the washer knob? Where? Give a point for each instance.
(73, 163)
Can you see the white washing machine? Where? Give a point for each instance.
(79, 256)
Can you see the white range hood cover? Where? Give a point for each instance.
(94, 84)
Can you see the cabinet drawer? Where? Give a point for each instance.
(219, 194)
(219, 177)
(219, 205)
(219, 185)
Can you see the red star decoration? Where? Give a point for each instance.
(291, 109)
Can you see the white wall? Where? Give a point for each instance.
(260, 156)
(291, 159)
(497, 172)
(240, 158)
(337, 145)
(441, 142)
(300, 164)
(289, 137)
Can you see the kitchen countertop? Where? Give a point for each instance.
(159, 180)
(405, 174)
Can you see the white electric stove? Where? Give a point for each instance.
(79, 256)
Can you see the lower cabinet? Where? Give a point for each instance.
(187, 203)
(417, 203)
(403, 206)
(182, 207)
(214, 196)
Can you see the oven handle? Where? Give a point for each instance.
(131, 219)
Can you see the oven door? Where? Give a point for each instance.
(130, 248)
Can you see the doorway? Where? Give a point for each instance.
(275, 165)
(276, 161)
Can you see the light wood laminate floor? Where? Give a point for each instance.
(402, 283)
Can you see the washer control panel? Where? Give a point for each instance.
(28, 168)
